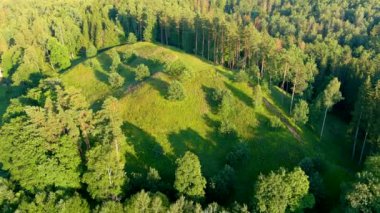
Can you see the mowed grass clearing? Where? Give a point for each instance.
(161, 131)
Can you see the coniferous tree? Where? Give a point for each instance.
(188, 177)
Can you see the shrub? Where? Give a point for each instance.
(242, 76)
(115, 80)
(142, 72)
(177, 70)
(301, 112)
(275, 123)
(91, 51)
(131, 38)
(176, 91)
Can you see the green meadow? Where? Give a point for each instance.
(159, 131)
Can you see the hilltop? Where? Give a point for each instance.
(159, 130)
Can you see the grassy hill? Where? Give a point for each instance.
(159, 130)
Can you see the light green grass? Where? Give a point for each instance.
(161, 130)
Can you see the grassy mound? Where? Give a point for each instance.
(159, 130)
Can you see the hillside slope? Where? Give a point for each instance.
(159, 130)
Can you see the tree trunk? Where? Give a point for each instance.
(291, 101)
(323, 124)
(356, 135)
(363, 147)
(283, 79)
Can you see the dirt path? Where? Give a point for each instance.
(288, 125)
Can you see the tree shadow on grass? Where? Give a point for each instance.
(101, 76)
(208, 96)
(105, 61)
(225, 74)
(240, 95)
(149, 152)
(159, 85)
(190, 140)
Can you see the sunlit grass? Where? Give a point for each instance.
(161, 130)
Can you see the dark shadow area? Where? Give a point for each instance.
(101, 76)
(149, 153)
(11, 91)
(240, 95)
(225, 74)
(209, 91)
(105, 61)
(210, 152)
(159, 85)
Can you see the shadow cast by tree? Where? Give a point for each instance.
(148, 153)
(240, 95)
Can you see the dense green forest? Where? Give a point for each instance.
(189, 106)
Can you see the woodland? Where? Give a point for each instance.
(189, 106)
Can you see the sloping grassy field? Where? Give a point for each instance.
(161, 131)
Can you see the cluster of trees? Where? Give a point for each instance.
(55, 147)
(317, 51)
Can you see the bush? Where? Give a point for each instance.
(128, 56)
(275, 123)
(242, 76)
(131, 38)
(142, 72)
(227, 127)
(177, 70)
(176, 91)
(218, 94)
(115, 80)
(301, 112)
(91, 51)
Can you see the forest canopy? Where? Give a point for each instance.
(64, 150)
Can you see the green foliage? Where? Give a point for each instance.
(115, 80)
(115, 60)
(242, 76)
(221, 185)
(301, 112)
(177, 70)
(188, 177)
(147, 202)
(105, 173)
(48, 134)
(238, 156)
(131, 38)
(283, 191)
(56, 202)
(142, 72)
(275, 123)
(58, 54)
(331, 95)
(8, 197)
(183, 205)
(364, 194)
(91, 51)
(110, 207)
(176, 92)
(128, 56)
